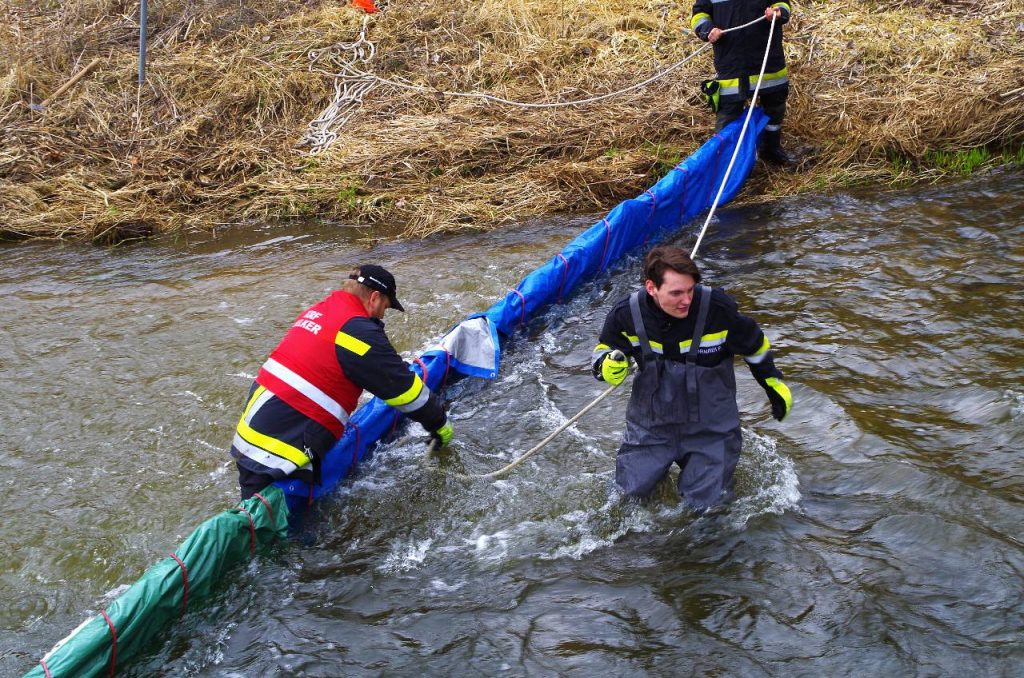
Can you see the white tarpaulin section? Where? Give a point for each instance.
(473, 347)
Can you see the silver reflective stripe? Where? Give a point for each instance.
(258, 454)
(260, 402)
(416, 404)
(761, 353)
(307, 389)
(775, 82)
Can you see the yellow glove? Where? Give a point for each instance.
(779, 396)
(614, 367)
(443, 435)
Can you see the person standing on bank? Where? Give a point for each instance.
(738, 58)
(305, 391)
(683, 337)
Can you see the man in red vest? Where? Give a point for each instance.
(305, 391)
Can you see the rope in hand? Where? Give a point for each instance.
(432, 446)
(352, 84)
(739, 142)
(502, 471)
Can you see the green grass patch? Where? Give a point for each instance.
(961, 163)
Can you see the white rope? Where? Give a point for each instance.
(739, 141)
(352, 84)
(545, 104)
(502, 471)
(536, 448)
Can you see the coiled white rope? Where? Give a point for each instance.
(352, 84)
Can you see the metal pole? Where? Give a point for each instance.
(142, 42)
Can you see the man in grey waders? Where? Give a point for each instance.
(683, 336)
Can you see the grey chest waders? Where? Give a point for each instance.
(682, 412)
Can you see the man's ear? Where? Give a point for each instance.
(650, 287)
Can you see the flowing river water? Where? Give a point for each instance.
(876, 531)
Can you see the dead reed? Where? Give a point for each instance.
(211, 138)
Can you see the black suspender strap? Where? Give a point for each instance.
(703, 298)
(646, 354)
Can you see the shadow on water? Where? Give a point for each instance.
(875, 530)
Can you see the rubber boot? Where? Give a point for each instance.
(771, 149)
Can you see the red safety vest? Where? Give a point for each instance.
(303, 370)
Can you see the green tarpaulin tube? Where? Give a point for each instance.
(163, 593)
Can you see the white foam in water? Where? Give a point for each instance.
(1016, 403)
(405, 556)
(773, 484)
(612, 521)
(440, 587)
(492, 547)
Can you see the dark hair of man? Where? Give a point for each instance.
(665, 257)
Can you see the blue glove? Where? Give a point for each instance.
(614, 367)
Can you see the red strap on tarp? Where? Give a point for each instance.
(113, 643)
(565, 273)
(447, 367)
(607, 240)
(252, 530)
(522, 314)
(263, 499)
(184, 581)
(355, 448)
(422, 367)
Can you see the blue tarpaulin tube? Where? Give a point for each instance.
(104, 642)
(686, 191)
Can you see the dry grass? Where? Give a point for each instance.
(211, 137)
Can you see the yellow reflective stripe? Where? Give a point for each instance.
(255, 396)
(635, 341)
(272, 445)
(783, 5)
(707, 340)
(759, 355)
(714, 339)
(697, 18)
(777, 75)
(409, 396)
(602, 347)
(261, 456)
(350, 343)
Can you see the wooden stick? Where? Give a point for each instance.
(70, 83)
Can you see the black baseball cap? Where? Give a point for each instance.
(378, 278)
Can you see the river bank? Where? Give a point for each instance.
(883, 94)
